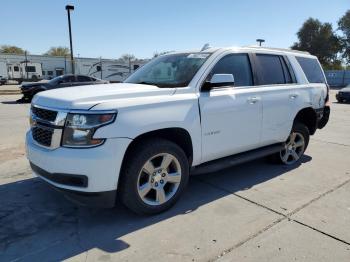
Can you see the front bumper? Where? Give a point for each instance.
(343, 96)
(89, 171)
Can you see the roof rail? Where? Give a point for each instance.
(279, 49)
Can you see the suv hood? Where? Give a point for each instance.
(85, 97)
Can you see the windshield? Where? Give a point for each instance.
(175, 70)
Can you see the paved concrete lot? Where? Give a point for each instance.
(253, 212)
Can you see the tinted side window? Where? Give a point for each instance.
(84, 79)
(271, 71)
(311, 69)
(238, 65)
(68, 79)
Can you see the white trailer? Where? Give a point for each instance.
(24, 71)
(113, 71)
(48, 67)
(3, 73)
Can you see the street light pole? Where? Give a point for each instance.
(68, 8)
(260, 41)
(26, 61)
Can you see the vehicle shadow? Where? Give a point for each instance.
(39, 223)
(18, 101)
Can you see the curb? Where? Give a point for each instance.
(10, 92)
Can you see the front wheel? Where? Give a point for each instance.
(295, 145)
(155, 175)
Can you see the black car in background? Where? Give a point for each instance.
(30, 89)
(343, 94)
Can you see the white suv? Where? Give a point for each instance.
(181, 113)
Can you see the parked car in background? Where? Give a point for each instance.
(343, 94)
(69, 80)
(182, 112)
(2, 80)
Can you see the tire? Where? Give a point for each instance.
(148, 184)
(295, 146)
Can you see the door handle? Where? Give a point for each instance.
(293, 96)
(253, 100)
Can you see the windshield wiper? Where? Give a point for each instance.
(146, 83)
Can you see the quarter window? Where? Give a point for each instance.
(271, 70)
(236, 64)
(312, 69)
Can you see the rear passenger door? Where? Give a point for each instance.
(66, 81)
(276, 80)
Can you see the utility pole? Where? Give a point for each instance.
(69, 8)
(260, 41)
(101, 66)
(26, 61)
(65, 64)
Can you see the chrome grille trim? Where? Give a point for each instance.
(55, 126)
(58, 121)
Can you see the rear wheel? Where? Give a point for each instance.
(295, 145)
(154, 176)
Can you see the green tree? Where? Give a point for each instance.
(320, 40)
(344, 27)
(11, 49)
(58, 51)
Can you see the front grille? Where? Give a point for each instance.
(44, 114)
(42, 135)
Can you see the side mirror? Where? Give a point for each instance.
(219, 80)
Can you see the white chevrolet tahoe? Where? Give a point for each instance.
(182, 113)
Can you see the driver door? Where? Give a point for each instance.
(231, 116)
(66, 81)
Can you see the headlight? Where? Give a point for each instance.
(80, 128)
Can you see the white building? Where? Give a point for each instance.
(52, 66)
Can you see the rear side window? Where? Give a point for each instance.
(238, 65)
(271, 70)
(312, 69)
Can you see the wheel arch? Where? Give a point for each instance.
(179, 136)
(308, 117)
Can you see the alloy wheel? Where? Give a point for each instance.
(293, 149)
(159, 179)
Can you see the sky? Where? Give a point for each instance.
(112, 28)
